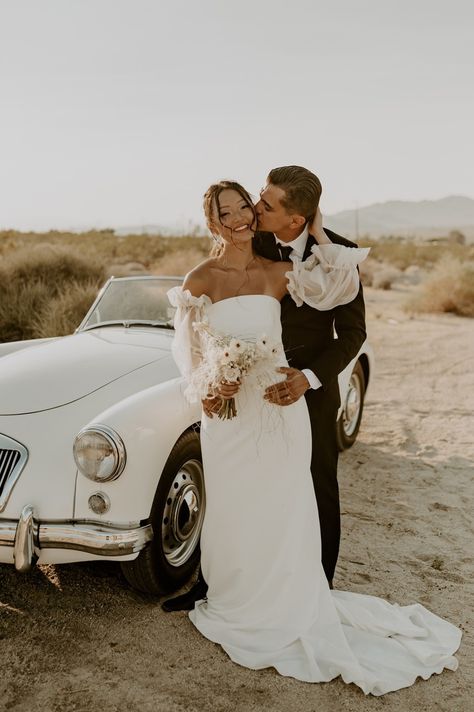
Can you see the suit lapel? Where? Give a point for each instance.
(307, 250)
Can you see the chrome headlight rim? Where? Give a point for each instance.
(118, 447)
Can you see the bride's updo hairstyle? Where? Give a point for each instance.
(211, 209)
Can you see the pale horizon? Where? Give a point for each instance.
(120, 113)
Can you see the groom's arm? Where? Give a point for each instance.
(349, 323)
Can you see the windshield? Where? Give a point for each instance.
(133, 298)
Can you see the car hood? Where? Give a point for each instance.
(51, 374)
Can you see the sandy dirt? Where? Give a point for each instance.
(77, 637)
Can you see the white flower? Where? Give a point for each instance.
(236, 348)
(231, 373)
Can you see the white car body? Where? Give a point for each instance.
(121, 377)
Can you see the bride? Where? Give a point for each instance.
(268, 602)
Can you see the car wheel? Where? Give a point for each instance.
(349, 421)
(176, 517)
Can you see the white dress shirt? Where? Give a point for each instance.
(298, 245)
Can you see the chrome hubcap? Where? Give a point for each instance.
(183, 514)
(352, 405)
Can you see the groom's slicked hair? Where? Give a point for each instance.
(302, 189)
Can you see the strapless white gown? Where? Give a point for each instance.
(268, 602)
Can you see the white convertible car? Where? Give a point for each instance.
(99, 451)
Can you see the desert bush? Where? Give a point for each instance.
(19, 307)
(449, 288)
(379, 275)
(385, 276)
(178, 262)
(34, 284)
(406, 254)
(104, 245)
(55, 266)
(367, 269)
(65, 311)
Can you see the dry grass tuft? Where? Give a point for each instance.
(385, 276)
(406, 254)
(449, 288)
(44, 289)
(19, 307)
(56, 266)
(178, 263)
(65, 311)
(379, 275)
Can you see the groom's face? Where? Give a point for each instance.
(271, 215)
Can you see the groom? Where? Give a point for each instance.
(285, 212)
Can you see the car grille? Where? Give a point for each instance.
(13, 458)
(8, 461)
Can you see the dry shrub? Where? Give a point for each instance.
(379, 275)
(152, 249)
(19, 306)
(179, 262)
(65, 311)
(449, 288)
(56, 266)
(34, 286)
(385, 276)
(407, 253)
(367, 269)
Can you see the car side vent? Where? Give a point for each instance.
(8, 461)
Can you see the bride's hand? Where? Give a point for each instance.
(228, 389)
(316, 229)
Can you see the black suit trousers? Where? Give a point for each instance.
(324, 473)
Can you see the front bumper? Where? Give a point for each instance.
(29, 536)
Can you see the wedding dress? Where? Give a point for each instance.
(268, 602)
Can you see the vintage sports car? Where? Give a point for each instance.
(99, 451)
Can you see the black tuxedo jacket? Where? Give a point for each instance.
(308, 334)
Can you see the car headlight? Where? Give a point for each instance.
(99, 453)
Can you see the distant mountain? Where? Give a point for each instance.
(424, 218)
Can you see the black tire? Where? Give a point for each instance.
(349, 422)
(176, 516)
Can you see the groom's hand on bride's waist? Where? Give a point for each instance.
(290, 390)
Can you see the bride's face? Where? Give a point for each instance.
(234, 217)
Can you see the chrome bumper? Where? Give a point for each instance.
(28, 536)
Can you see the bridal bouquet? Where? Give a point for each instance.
(227, 358)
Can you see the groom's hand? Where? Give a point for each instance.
(290, 390)
(211, 405)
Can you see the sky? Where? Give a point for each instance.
(119, 113)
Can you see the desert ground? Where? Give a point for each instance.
(78, 638)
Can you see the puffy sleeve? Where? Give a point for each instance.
(328, 277)
(186, 347)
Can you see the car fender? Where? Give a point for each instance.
(149, 424)
(366, 356)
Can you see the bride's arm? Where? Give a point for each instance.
(316, 229)
(186, 346)
(327, 278)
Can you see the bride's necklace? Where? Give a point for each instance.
(232, 268)
(240, 277)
